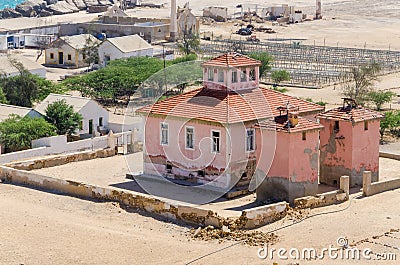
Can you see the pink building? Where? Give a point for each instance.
(349, 143)
(229, 129)
(294, 170)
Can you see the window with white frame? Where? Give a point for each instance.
(189, 137)
(210, 74)
(164, 133)
(220, 75)
(243, 76)
(234, 77)
(250, 140)
(216, 141)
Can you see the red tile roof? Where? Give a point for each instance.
(280, 124)
(355, 114)
(228, 106)
(233, 60)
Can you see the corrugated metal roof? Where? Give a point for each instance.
(232, 59)
(228, 106)
(129, 43)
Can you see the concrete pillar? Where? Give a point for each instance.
(111, 140)
(367, 175)
(345, 185)
(318, 13)
(173, 28)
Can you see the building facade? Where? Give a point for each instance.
(124, 47)
(349, 143)
(217, 135)
(67, 51)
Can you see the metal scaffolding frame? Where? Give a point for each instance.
(310, 65)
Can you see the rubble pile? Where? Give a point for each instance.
(251, 238)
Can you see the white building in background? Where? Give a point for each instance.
(124, 47)
(8, 68)
(95, 117)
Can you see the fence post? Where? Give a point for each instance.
(366, 182)
(345, 185)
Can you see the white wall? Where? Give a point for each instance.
(3, 43)
(108, 49)
(93, 111)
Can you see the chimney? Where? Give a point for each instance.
(173, 28)
(318, 14)
(293, 118)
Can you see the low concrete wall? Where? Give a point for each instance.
(370, 189)
(389, 155)
(328, 198)
(56, 145)
(266, 214)
(39, 163)
(249, 219)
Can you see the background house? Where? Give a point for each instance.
(7, 67)
(124, 47)
(187, 22)
(7, 110)
(95, 117)
(67, 51)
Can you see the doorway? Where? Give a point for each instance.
(90, 126)
(60, 58)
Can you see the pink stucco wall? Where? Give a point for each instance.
(366, 146)
(293, 159)
(349, 151)
(176, 152)
(304, 157)
(335, 147)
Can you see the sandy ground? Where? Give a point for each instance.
(45, 228)
(114, 169)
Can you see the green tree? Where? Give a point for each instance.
(279, 76)
(266, 61)
(391, 122)
(189, 44)
(16, 133)
(361, 82)
(26, 88)
(119, 79)
(63, 117)
(380, 97)
(90, 52)
(3, 99)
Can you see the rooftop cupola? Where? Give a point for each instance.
(231, 71)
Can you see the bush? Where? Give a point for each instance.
(17, 133)
(380, 97)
